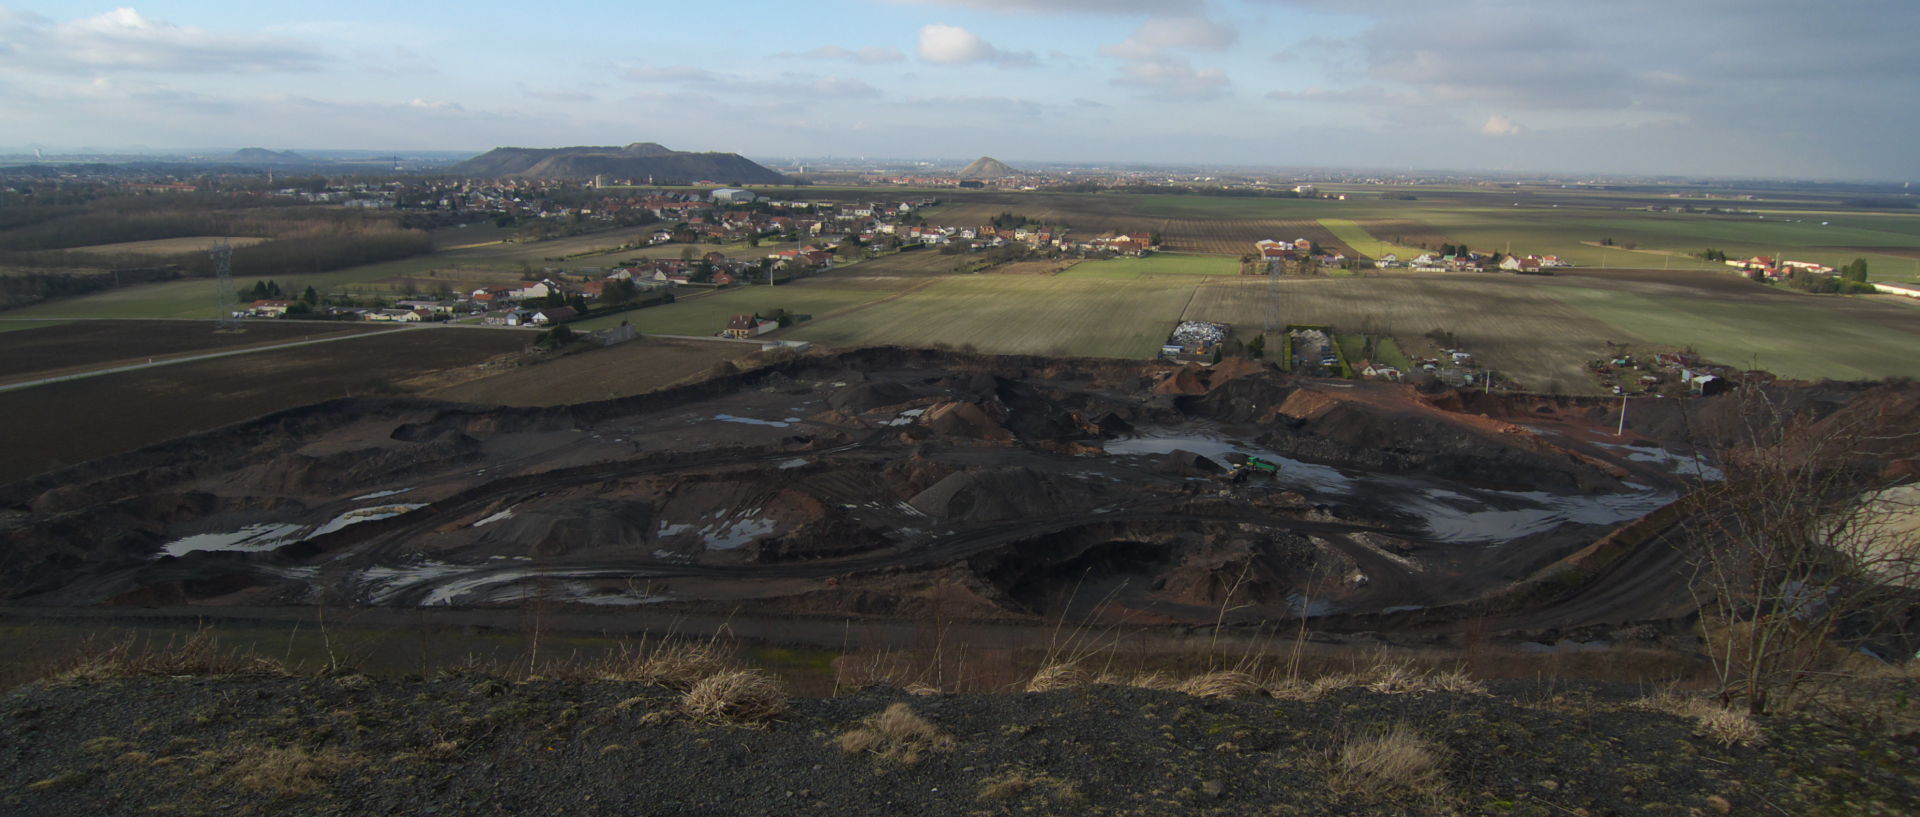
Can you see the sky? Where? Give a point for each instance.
(1743, 88)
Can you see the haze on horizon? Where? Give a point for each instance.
(1761, 88)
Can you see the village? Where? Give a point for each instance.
(784, 239)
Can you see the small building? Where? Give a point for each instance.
(554, 315)
(269, 309)
(747, 326)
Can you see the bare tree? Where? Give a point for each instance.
(1804, 550)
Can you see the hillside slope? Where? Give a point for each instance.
(641, 160)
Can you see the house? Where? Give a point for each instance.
(394, 315)
(537, 289)
(430, 307)
(554, 315)
(269, 309)
(1377, 371)
(747, 326)
(731, 195)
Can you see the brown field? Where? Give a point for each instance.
(1404, 232)
(101, 344)
(636, 367)
(168, 246)
(80, 420)
(1236, 236)
(1509, 324)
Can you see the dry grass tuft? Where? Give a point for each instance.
(1728, 727)
(284, 772)
(735, 696)
(198, 654)
(1018, 783)
(1058, 676)
(673, 664)
(1223, 684)
(896, 734)
(1396, 763)
(1154, 680)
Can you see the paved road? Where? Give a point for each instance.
(27, 384)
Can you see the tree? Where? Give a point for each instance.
(1795, 558)
(1855, 271)
(311, 297)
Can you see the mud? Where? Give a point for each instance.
(878, 483)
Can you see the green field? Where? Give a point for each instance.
(1791, 336)
(1057, 315)
(1358, 238)
(1154, 265)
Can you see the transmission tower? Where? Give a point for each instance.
(223, 277)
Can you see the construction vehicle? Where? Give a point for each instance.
(1245, 466)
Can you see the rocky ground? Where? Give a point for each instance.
(472, 744)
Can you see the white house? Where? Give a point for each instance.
(731, 195)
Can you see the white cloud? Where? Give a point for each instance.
(871, 55)
(1172, 79)
(123, 39)
(1046, 6)
(1158, 34)
(1498, 125)
(953, 45)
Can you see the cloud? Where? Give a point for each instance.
(872, 55)
(1498, 125)
(124, 40)
(807, 85)
(1159, 34)
(1172, 79)
(953, 45)
(1046, 6)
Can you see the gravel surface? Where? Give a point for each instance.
(475, 745)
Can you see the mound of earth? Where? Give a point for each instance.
(641, 160)
(993, 494)
(987, 167)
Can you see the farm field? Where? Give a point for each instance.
(635, 367)
(167, 246)
(100, 344)
(1236, 237)
(1364, 242)
(1153, 265)
(1526, 334)
(84, 419)
(1801, 337)
(708, 314)
(1059, 315)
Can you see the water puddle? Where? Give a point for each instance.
(250, 539)
(728, 418)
